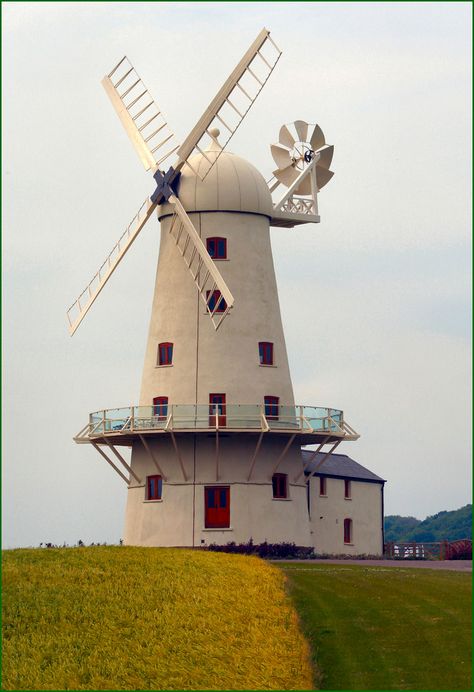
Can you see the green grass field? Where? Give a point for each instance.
(383, 628)
(147, 618)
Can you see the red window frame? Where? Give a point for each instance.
(272, 406)
(347, 530)
(219, 401)
(160, 406)
(280, 485)
(347, 490)
(215, 298)
(217, 507)
(165, 353)
(322, 486)
(154, 487)
(217, 247)
(265, 352)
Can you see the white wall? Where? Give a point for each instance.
(178, 520)
(328, 514)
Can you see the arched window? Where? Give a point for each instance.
(280, 485)
(165, 353)
(160, 406)
(347, 530)
(265, 352)
(217, 248)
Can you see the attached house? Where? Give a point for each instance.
(345, 505)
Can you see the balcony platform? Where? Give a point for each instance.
(309, 424)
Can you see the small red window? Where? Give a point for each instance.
(217, 248)
(347, 490)
(322, 486)
(265, 352)
(280, 485)
(160, 406)
(347, 530)
(154, 487)
(165, 353)
(271, 407)
(214, 301)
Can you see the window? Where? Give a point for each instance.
(217, 248)
(265, 351)
(165, 353)
(347, 490)
(347, 530)
(215, 299)
(280, 485)
(154, 487)
(322, 486)
(271, 407)
(160, 406)
(217, 507)
(217, 408)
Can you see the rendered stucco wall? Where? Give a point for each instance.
(226, 361)
(328, 514)
(178, 520)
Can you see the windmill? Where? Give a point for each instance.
(217, 423)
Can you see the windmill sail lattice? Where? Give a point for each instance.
(142, 119)
(206, 276)
(82, 305)
(232, 102)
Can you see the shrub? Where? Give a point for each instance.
(272, 551)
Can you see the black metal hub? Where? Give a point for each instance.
(166, 185)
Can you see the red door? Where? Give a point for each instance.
(217, 507)
(217, 407)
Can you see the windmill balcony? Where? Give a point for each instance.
(308, 422)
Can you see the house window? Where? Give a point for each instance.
(154, 487)
(271, 407)
(217, 410)
(165, 353)
(347, 490)
(265, 351)
(213, 299)
(217, 248)
(322, 486)
(280, 485)
(217, 507)
(160, 406)
(347, 530)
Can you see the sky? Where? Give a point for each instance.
(375, 299)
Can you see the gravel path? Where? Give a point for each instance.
(457, 565)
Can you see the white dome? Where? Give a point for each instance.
(232, 184)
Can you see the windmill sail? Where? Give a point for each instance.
(141, 117)
(211, 286)
(232, 102)
(82, 305)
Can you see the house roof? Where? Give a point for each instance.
(340, 466)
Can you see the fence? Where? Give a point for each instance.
(437, 550)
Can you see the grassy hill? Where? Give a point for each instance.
(125, 618)
(444, 526)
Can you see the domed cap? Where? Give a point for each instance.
(232, 184)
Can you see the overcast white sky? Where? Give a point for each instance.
(374, 299)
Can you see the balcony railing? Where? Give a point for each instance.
(245, 417)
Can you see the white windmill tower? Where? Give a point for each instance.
(216, 438)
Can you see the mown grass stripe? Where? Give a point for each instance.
(386, 628)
